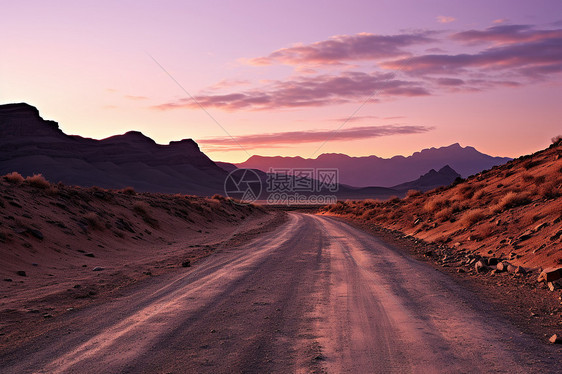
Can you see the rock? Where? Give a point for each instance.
(428, 254)
(147, 272)
(480, 266)
(97, 268)
(461, 270)
(89, 255)
(555, 339)
(552, 286)
(36, 233)
(502, 266)
(21, 273)
(186, 264)
(8, 280)
(550, 274)
(511, 268)
(520, 270)
(493, 261)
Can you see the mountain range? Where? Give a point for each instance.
(377, 171)
(31, 145)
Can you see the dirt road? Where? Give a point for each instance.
(315, 295)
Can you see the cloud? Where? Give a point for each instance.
(506, 34)
(309, 136)
(445, 19)
(534, 57)
(227, 83)
(308, 91)
(342, 48)
(135, 98)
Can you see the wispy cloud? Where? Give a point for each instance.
(136, 98)
(507, 34)
(522, 53)
(339, 49)
(308, 91)
(445, 19)
(310, 136)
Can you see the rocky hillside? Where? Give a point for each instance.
(30, 145)
(511, 213)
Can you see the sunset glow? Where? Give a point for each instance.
(388, 77)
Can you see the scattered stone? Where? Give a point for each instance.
(480, 266)
(511, 268)
(97, 268)
(36, 233)
(555, 339)
(552, 286)
(34, 264)
(186, 264)
(89, 255)
(213, 331)
(520, 270)
(550, 274)
(493, 261)
(502, 266)
(428, 254)
(21, 273)
(147, 272)
(461, 270)
(8, 279)
(47, 315)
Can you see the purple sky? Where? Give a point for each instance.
(280, 77)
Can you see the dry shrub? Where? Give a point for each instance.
(413, 193)
(557, 139)
(531, 164)
(459, 206)
(473, 216)
(435, 204)
(465, 192)
(444, 214)
(38, 181)
(551, 190)
(511, 200)
(129, 191)
(528, 177)
(13, 177)
(478, 195)
(94, 221)
(143, 209)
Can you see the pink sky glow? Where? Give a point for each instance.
(280, 77)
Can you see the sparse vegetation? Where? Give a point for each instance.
(472, 216)
(38, 181)
(94, 221)
(129, 191)
(14, 178)
(511, 200)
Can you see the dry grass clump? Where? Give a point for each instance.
(14, 178)
(550, 190)
(435, 204)
(38, 181)
(143, 209)
(444, 215)
(94, 221)
(413, 193)
(528, 177)
(129, 191)
(511, 200)
(473, 216)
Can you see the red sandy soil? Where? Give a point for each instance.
(58, 235)
(511, 212)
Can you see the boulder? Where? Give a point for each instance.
(555, 339)
(502, 266)
(550, 274)
(480, 266)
